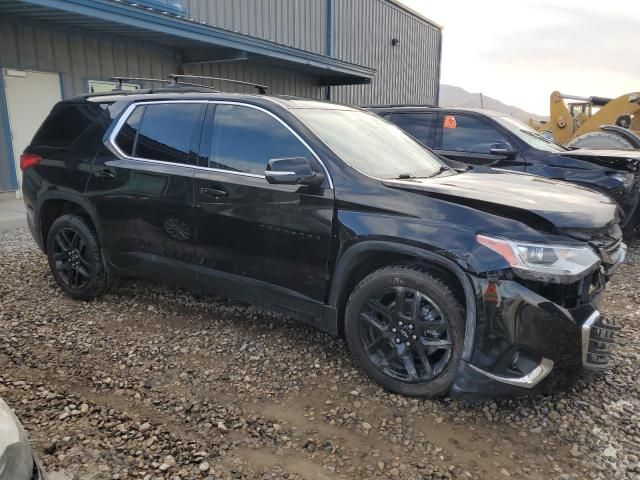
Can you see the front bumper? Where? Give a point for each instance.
(526, 343)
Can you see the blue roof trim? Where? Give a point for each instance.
(125, 14)
(174, 7)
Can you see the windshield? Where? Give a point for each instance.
(370, 144)
(529, 135)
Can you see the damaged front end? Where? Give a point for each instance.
(538, 326)
(618, 176)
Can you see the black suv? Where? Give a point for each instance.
(481, 138)
(480, 283)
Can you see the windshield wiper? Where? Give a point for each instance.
(411, 176)
(442, 169)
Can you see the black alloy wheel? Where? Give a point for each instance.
(75, 258)
(406, 335)
(71, 258)
(405, 328)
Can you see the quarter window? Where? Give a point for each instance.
(245, 139)
(65, 124)
(164, 131)
(468, 134)
(127, 135)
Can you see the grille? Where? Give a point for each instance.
(572, 295)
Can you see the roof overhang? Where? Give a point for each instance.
(197, 42)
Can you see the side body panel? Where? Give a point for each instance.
(272, 242)
(146, 215)
(63, 173)
(145, 210)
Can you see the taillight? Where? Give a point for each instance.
(29, 160)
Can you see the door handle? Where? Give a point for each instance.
(213, 192)
(106, 174)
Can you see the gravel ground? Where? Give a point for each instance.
(152, 382)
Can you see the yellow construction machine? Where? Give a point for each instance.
(593, 122)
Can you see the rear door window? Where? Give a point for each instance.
(164, 131)
(462, 133)
(420, 126)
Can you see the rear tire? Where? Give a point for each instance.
(407, 347)
(75, 258)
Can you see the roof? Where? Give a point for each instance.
(198, 41)
(286, 101)
(417, 108)
(415, 13)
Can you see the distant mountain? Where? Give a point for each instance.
(451, 96)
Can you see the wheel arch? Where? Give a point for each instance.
(55, 205)
(365, 257)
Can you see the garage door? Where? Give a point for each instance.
(30, 96)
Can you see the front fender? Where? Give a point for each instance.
(350, 259)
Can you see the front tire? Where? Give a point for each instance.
(405, 329)
(75, 258)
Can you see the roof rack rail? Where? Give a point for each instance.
(175, 83)
(171, 83)
(121, 80)
(262, 89)
(399, 105)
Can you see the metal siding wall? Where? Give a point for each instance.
(295, 23)
(363, 31)
(78, 57)
(407, 73)
(279, 81)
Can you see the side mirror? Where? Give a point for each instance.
(292, 171)
(503, 149)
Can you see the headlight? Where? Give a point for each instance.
(16, 460)
(557, 263)
(626, 179)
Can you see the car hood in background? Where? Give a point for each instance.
(562, 204)
(629, 158)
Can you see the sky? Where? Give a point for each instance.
(519, 51)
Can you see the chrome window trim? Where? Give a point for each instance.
(113, 146)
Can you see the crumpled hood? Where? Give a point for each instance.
(562, 204)
(629, 158)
